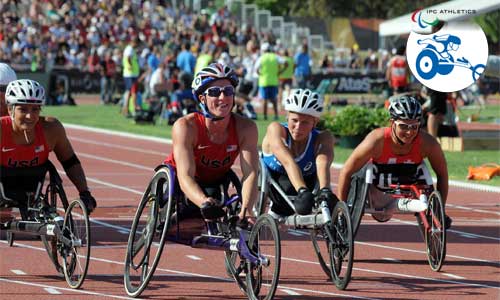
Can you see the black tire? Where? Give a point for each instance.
(76, 255)
(10, 238)
(262, 280)
(260, 207)
(148, 233)
(356, 203)
(321, 243)
(54, 195)
(435, 235)
(341, 249)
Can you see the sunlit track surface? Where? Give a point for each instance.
(390, 259)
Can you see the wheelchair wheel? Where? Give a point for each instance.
(428, 64)
(260, 206)
(264, 241)
(10, 238)
(54, 194)
(356, 205)
(341, 249)
(320, 241)
(148, 233)
(76, 253)
(435, 235)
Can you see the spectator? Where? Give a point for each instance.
(185, 60)
(398, 72)
(131, 71)
(108, 81)
(302, 67)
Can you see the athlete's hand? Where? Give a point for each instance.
(88, 200)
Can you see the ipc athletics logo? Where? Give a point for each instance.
(448, 60)
(416, 17)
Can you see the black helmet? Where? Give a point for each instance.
(405, 108)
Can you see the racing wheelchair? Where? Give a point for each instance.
(252, 255)
(331, 232)
(66, 240)
(411, 195)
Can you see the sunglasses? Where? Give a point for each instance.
(215, 91)
(406, 127)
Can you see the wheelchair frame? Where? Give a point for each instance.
(334, 228)
(431, 220)
(235, 241)
(58, 234)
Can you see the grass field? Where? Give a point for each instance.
(108, 117)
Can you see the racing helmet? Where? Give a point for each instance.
(212, 72)
(25, 91)
(405, 108)
(6, 74)
(304, 101)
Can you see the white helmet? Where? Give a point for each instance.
(25, 91)
(6, 74)
(304, 101)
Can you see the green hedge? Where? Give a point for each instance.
(355, 121)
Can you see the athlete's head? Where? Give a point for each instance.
(214, 86)
(304, 110)
(6, 75)
(24, 99)
(406, 113)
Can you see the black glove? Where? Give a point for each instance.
(210, 211)
(304, 202)
(89, 201)
(325, 194)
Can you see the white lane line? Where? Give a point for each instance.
(64, 289)
(391, 259)
(294, 232)
(455, 183)
(52, 291)
(473, 209)
(290, 292)
(140, 150)
(119, 162)
(193, 257)
(18, 272)
(453, 276)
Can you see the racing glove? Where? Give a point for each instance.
(88, 200)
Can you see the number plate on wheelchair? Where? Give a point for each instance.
(50, 229)
(233, 244)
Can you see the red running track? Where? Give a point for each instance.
(390, 260)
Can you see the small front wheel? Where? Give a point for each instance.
(263, 274)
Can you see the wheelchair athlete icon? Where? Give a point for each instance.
(252, 256)
(435, 57)
(413, 195)
(66, 239)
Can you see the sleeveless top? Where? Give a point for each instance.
(212, 160)
(306, 161)
(21, 156)
(398, 72)
(387, 157)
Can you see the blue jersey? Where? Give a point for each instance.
(306, 160)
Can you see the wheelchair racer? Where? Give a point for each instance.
(298, 155)
(398, 147)
(206, 144)
(27, 139)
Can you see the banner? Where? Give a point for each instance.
(343, 82)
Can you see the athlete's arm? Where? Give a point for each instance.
(370, 147)
(274, 137)
(184, 134)
(431, 149)
(249, 160)
(324, 158)
(60, 144)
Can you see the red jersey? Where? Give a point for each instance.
(387, 157)
(19, 156)
(212, 160)
(399, 76)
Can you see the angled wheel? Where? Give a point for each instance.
(10, 238)
(321, 242)
(341, 248)
(148, 232)
(262, 276)
(435, 235)
(356, 202)
(54, 196)
(75, 246)
(260, 206)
